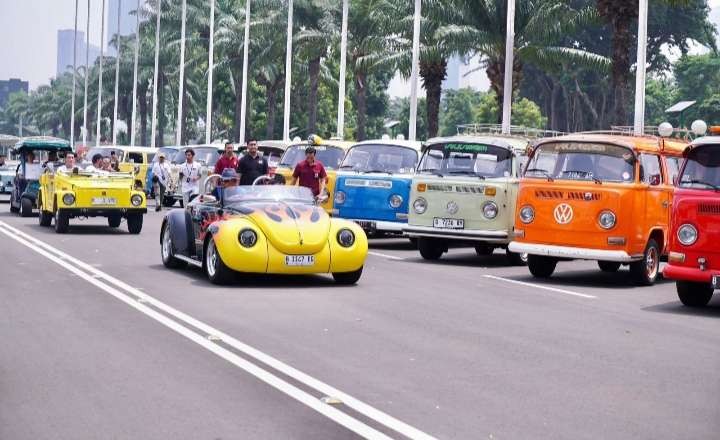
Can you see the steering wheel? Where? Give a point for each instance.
(261, 179)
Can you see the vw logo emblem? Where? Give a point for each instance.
(563, 213)
(452, 208)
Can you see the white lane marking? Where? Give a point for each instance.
(538, 286)
(388, 256)
(352, 402)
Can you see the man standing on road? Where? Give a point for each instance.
(69, 163)
(190, 176)
(227, 160)
(252, 165)
(161, 174)
(310, 173)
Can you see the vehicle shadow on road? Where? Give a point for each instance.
(712, 310)
(620, 280)
(497, 260)
(80, 229)
(397, 244)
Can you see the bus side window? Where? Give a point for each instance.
(651, 172)
(673, 168)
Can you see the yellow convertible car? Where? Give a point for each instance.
(266, 229)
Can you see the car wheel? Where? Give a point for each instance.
(608, 266)
(484, 250)
(114, 221)
(541, 267)
(515, 259)
(431, 248)
(347, 278)
(694, 294)
(413, 241)
(26, 207)
(62, 221)
(134, 223)
(44, 217)
(645, 271)
(166, 250)
(216, 270)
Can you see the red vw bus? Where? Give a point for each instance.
(694, 257)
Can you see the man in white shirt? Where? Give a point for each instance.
(190, 176)
(97, 165)
(69, 163)
(161, 174)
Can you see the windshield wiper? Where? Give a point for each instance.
(432, 171)
(468, 172)
(378, 171)
(702, 182)
(545, 173)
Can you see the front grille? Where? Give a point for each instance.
(441, 188)
(549, 194)
(470, 189)
(711, 209)
(583, 196)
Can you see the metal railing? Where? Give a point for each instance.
(496, 130)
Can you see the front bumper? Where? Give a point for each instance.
(380, 225)
(103, 212)
(574, 253)
(685, 273)
(501, 237)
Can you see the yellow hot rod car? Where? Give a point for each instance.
(266, 229)
(66, 195)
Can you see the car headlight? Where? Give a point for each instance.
(607, 219)
(69, 199)
(395, 201)
(346, 238)
(136, 200)
(527, 214)
(340, 197)
(490, 210)
(420, 205)
(247, 238)
(687, 234)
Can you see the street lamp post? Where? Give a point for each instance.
(639, 127)
(343, 69)
(74, 75)
(155, 76)
(87, 74)
(117, 75)
(288, 73)
(100, 77)
(412, 129)
(509, 63)
(135, 74)
(211, 67)
(181, 87)
(243, 96)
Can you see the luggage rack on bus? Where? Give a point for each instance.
(496, 130)
(650, 131)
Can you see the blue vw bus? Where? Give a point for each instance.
(373, 184)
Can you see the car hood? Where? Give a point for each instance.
(99, 182)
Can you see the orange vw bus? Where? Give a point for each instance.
(603, 197)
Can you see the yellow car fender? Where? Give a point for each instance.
(235, 256)
(347, 259)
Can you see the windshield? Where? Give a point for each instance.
(381, 159)
(328, 155)
(702, 169)
(466, 158)
(582, 161)
(167, 151)
(104, 152)
(207, 156)
(272, 154)
(267, 193)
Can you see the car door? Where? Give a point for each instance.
(657, 207)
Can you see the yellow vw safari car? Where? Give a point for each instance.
(463, 194)
(77, 193)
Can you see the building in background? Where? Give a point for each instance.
(10, 86)
(127, 21)
(65, 51)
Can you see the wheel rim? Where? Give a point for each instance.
(524, 258)
(166, 245)
(651, 263)
(211, 259)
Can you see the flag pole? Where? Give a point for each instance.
(155, 75)
(135, 74)
(87, 74)
(211, 68)
(117, 75)
(74, 75)
(100, 76)
(412, 129)
(343, 70)
(288, 73)
(509, 64)
(181, 87)
(639, 127)
(243, 96)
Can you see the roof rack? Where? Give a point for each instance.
(496, 130)
(650, 131)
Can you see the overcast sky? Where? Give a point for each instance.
(28, 35)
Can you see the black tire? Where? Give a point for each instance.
(168, 202)
(26, 207)
(484, 250)
(413, 241)
(62, 221)
(431, 248)
(347, 278)
(166, 250)
(215, 269)
(608, 266)
(45, 218)
(134, 223)
(515, 259)
(114, 221)
(541, 267)
(694, 294)
(645, 272)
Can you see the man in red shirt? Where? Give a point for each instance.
(227, 160)
(311, 173)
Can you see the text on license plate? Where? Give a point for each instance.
(299, 260)
(449, 223)
(716, 281)
(104, 201)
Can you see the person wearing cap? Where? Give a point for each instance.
(229, 178)
(161, 174)
(252, 165)
(310, 173)
(227, 160)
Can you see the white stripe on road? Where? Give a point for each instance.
(388, 256)
(539, 286)
(99, 279)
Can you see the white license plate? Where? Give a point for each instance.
(448, 223)
(299, 260)
(104, 201)
(716, 281)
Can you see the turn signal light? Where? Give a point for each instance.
(490, 191)
(616, 241)
(715, 129)
(422, 187)
(676, 257)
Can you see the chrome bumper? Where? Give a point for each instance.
(576, 253)
(459, 234)
(380, 225)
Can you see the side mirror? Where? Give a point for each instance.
(655, 180)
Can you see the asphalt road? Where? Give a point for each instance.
(99, 340)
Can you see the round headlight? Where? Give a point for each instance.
(247, 238)
(607, 219)
(346, 238)
(69, 199)
(395, 201)
(527, 214)
(340, 197)
(687, 234)
(490, 210)
(136, 200)
(420, 205)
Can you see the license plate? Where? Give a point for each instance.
(299, 260)
(716, 281)
(104, 201)
(366, 225)
(448, 223)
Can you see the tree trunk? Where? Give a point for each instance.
(314, 74)
(433, 74)
(361, 103)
